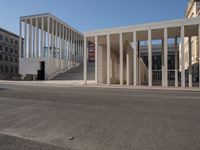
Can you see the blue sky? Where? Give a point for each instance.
(86, 15)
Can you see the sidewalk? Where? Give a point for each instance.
(92, 84)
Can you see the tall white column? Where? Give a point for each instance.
(96, 59)
(20, 39)
(85, 61)
(165, 81)
(176, 62)
(48, 34)
(108, 59)
(30, 39)
(150, 57)
(127, 67)
(134, 59)
(56, 39)
(182, 57)
(190, 61)
(52, 38)
(25, 38)
(60, 47)
(121, 59)
(37, 38)
(199, 52)
(42, 38)
(34, 41)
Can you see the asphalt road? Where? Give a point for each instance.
(98, 119)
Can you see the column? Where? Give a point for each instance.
(52, 39)
(149, 58)
(176, 62)
(37, 38)
(42, 38)
(190, 61)
(20, 39)
(96, 59)
(25, 38)
(199, 52)
(48, 30)
(165, 80)
(30, 39)
(127, 67)
(56, 40)
(60, 47)
(121, 59)
(108, 59)
(182, 57)
(34, 42)
(134, 59)
(85, 60)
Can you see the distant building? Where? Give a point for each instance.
(9, 55)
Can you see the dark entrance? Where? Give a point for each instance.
(41, 72)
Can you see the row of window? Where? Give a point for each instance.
(6, 39)
(8, 69)
(6, 50)
(11, 59)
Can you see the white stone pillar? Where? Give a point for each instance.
(30, 39)
(60, 47)
(56, 39)
(190, 61)
(96, 59)
(165, 59)
(85, 60)
(20, 39)
(182, 57)
(150, 57)
(176, 62)
(134, 59)
(199, 51)
(121, 59)
(52, 38)
(127, 67)
(48, 30)
(37, 38)
(108, 59)
(42, 38)
(25, 38)
(34, 41)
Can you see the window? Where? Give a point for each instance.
(16, 42)
(11, 59)
(1, 37)
(6, 69)
(6, 58)
(16, 60)
(0, 57)
(1, 69)
(6, 50)
(15, 51)
(11, 50)
(11, 69)
(1, 48)
(6, 39)
(16, 69)
(11, 41)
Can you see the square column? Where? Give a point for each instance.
(199, 52)
(108, 59)
(52, 38)
(176, 62)
(85, 61)
(128, 67)
(190, 62)
(134, 59)
(96, 59)
(165, 80)
(149, 58)
(42, 38)
(48, 30)
(25, 38)
(30, 39)
(121, 59)
(182, 57)
(20, 39)
(37, 38)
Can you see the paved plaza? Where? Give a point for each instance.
(90, 118)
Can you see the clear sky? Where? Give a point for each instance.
(86, 15)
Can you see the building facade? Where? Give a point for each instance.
(50, 46)
(9, 55)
